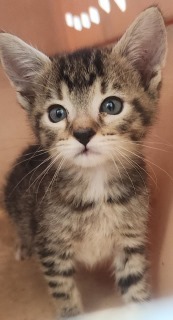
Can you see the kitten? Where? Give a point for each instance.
(80, 194)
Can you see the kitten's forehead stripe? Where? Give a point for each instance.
(104, 86)
(48, 94)
(80, 69)
(116, 86)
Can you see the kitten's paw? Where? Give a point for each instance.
(67, 312)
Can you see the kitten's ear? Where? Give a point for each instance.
(22, 64)
(145, 43)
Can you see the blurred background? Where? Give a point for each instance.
(64, 25)
(55, 26)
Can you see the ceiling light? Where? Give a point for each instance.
(69, 19)
(94, 15)
(121, 4)
(105, 5)
(77, 23)
(86, 23)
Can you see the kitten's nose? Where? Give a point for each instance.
(84, 135)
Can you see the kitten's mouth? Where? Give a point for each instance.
(88, 157)
(86, 152)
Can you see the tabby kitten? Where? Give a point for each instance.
(80, 194)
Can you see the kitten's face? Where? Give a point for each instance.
(92, 106)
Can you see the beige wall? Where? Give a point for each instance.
(42, 23)
(15, 133)
(162, 205)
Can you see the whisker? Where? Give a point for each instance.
(56, 174)
(46, 171)
(152, 163)
(143, 144)
(34, 155)
(155, 181)
(27, 175)
(127, 174)
(37, 178)
(54, 177)
(116, 166)
(133, 164)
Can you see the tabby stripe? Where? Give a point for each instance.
(127, 196)
(116, 86)
(48, 264)
(145, 116)
(81, 207)
(65, 256)
(65, 273)
(104, 86)
(92, 78)
(134, 250)
(46, 253)
(61, 295)
(119, 200)
(130, 235)
(52, 284)
(130, 280)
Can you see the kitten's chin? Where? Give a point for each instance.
(89, 160)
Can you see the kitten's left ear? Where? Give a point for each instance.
(145, 43)
(22, 63)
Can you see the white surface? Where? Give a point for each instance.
(156, 310)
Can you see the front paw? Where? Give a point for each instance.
(68, 311)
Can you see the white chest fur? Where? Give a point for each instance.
(96, 190)
(98, 232)
(98, 242)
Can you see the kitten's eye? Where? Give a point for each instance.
(112, 105)
(57, 113)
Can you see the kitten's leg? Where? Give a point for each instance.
(23, 245)
(131, 267)
(22, 251)
(59, 273)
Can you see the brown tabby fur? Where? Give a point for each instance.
(72, 207)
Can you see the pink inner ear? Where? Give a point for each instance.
(21, 61)
(144, 43)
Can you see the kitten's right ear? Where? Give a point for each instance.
(23, 64)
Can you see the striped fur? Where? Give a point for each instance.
(70, 207)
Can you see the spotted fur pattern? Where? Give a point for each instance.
(70, 207)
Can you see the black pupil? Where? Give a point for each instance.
(110, 106)
(59, 113)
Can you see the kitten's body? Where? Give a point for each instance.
(88, 212)
(87, 204)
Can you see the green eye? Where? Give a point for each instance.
(57, 113)
(112, 105)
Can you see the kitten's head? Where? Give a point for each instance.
(93, 105)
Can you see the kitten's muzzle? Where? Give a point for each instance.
(84, 135)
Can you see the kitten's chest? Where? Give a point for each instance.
(97, 242)
(96, 186)
(97, 227)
